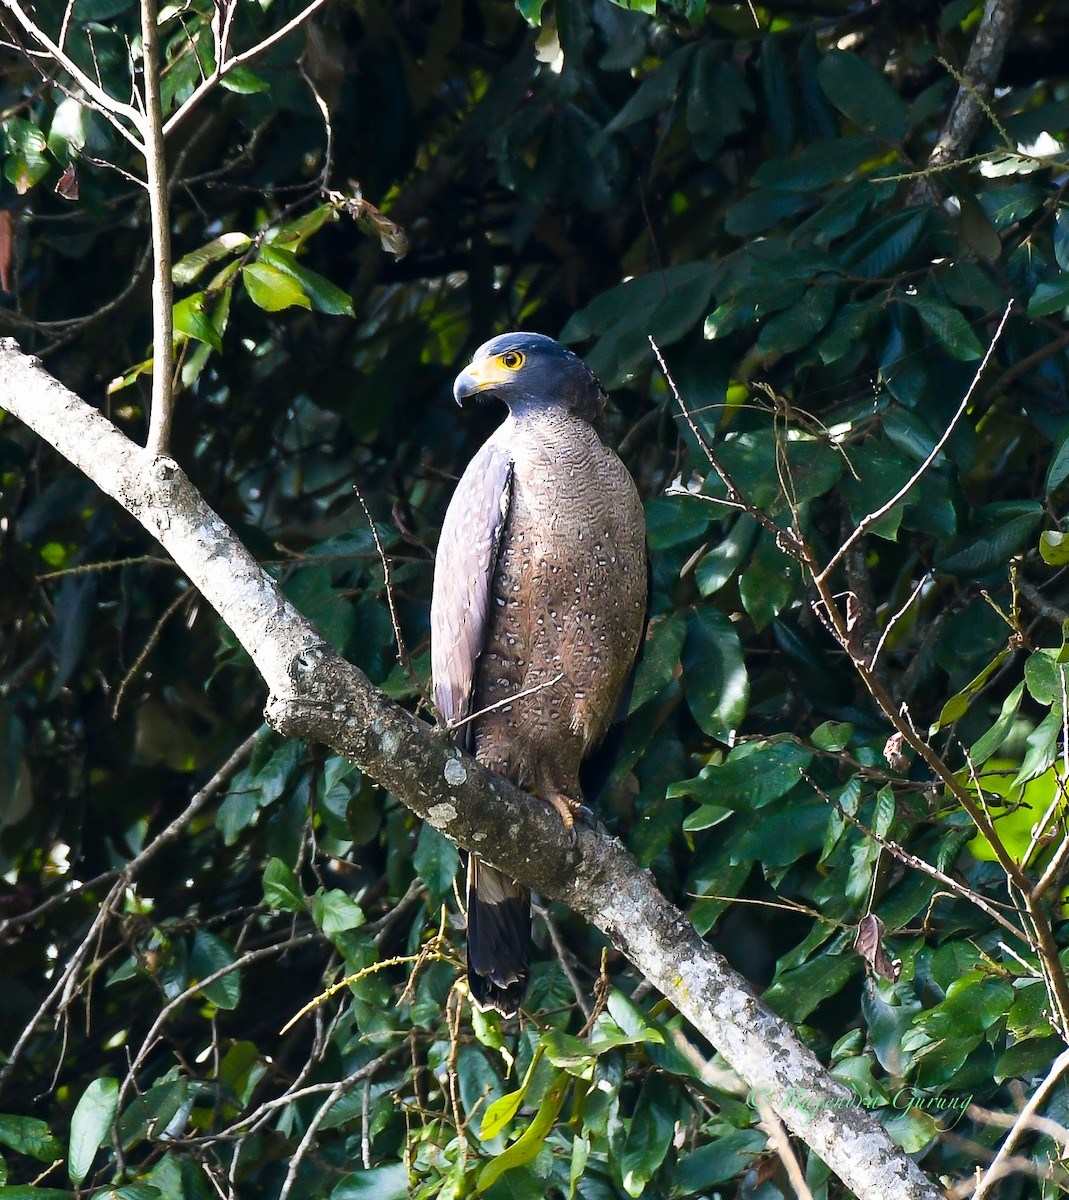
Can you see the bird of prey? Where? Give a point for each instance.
(538, 609)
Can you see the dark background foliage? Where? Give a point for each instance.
(746, 187)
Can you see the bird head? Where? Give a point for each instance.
(531, 373)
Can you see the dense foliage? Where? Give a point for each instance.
(352, 212)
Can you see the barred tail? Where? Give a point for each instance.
(499, 938)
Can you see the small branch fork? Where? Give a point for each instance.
(141, 123)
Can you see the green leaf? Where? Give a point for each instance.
(673, 520)
(293, 234)
(649, 1135)
(149, 1113)
(705, 818)
(1044, 743)
(723, 1159)
(27, 162)
(324, 295)
(190, 265)
(832, 735)
(720, 563)
(243, 81)
(25, 1191)
(210, 954)
(794, 994)
(983, 748)
(500, 1113)
(531, 10)
(884, 813)
(191, 318)
(770, 581)
(1051, 296)
(1054, 548)
(1030, 1057)
(335, 912)
(660, 658)
(1058, 471)
(798, 325)
(272, 289)
(957, 706)
(714, 673)
(761, 210)
(817, 165)
(1045, 676)
(655, 92)
(30, 1136)
(887, 244)
(91, 1126)
(67, 133)
(379, 1183)
(437, 860)
(998, 532)
(755, 774)
(863, 95)
(281, 889)
(951, 329)
(527, 1146)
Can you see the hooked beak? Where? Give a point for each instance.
(480, 376)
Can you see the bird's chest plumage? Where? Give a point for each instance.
(567, 604)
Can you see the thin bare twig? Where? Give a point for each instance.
(336, 1092)
(103, 102)
(63, 979)
(562, 957)
(998, 1167)
(735, 498)
(224, 66)
(505, 702)
(779, 1141)
(896, 618)
(146, 649)
(159, 429)
(244, 960)
(402, 650)
(871, 518)
(905, 856)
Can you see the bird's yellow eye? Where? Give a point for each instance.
(512, 360)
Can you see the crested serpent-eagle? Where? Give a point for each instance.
(538, 609)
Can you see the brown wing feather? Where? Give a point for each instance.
(463, 570)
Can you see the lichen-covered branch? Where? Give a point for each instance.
(979, 75)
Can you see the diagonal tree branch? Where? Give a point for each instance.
(978, 81)
(105, 104)
(315, 694)
(225, 65)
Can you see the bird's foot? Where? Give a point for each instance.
(571, 811)
(585, 816)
